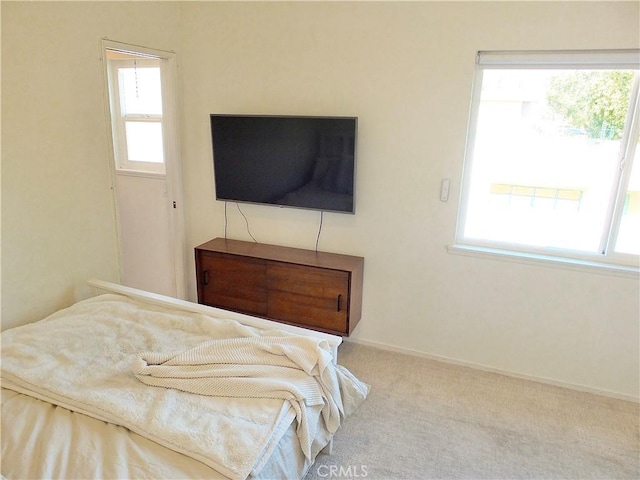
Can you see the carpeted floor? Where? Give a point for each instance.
(430, 420)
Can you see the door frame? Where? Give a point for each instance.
(171, 146)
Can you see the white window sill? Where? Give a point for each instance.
(140, 173)
(546, 260)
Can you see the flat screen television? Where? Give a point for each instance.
(288, 161)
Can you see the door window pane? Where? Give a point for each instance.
(140, 91)
(144, 142)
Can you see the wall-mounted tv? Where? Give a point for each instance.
(289, 161)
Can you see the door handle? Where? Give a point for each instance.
(339, 298)
(205, 277)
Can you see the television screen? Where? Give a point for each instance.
(289, 161)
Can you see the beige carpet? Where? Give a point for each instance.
(430, 420)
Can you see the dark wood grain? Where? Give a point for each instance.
(317, 290)
(235, 283)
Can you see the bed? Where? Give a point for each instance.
(127, 384)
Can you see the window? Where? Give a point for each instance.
(551, 166)
(135, 93)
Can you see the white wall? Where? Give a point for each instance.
(406, 69)
(57, 213)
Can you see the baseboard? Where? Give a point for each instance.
(477, 366)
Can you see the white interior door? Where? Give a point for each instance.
(144, 233)
(146, 173)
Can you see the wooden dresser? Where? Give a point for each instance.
(317, 290)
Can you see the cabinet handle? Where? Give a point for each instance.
(339, 298)
(205, 277)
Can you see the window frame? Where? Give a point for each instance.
(118, 119)
(606, 258)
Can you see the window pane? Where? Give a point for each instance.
(140, 90)
(545, 156)
(629, 233)
(144, 142)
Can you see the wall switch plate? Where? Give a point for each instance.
(444, 190)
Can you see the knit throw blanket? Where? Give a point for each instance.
(299, 370)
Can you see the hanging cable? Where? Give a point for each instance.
(225, 220)
(319, 229)
(246, 221)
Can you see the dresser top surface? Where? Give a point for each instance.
(283, 254)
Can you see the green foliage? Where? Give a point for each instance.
(596, 101)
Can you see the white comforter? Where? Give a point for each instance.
(81, 359)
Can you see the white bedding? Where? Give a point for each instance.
(81, 358)
(299, 370)
(86, 448)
